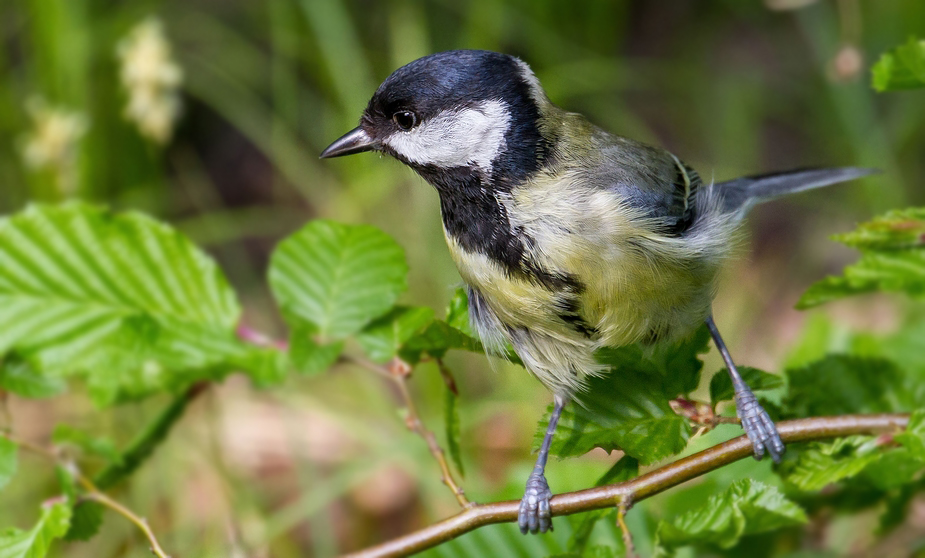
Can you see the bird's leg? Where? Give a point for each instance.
(534, 515)
(758, 425)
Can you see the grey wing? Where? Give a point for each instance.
(652, 180)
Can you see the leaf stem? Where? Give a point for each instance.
(640, 488)
(29, 446)
(398, 372)
(140, 522)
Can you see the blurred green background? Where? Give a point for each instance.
(325, 464)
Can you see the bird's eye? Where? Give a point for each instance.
(405, 119)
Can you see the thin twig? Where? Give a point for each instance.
(415, 424)
(398, 372)
(140, 522)
(640, 488)
(132, 457)
(447, 376)
(625, 504)
(92, 492)
(29, 446)
(367, 364)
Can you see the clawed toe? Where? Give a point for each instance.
(534, 515)
(759, 427)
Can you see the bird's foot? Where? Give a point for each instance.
(534, 515)
(758, 426)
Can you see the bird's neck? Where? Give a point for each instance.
(475, 217)
(472, 199)
(473, 214)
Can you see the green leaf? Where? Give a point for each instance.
(442, 335)
(21, 378)
(677, 366)
(901, 68)
(626, 468)
(904, 347)
(820, 336)
(758, 380)
(898, 229)
(265, 366)
(596, 551)
(896, 468)
(310, 357)
(832, 288)
(385, 336)
(159, 358)
(121, 298)
(840, 384)
(102, 447)
(913, 437)
(86, 521)
(436, 340)
(892, 259)
(825, 464)
(8, 460)
(875, 464)
(747, 507)
(53, 524)
(497, 541)
(623, 412)
(451, 419)
(67, 482)
(627, 408)
(582, 527)
(457, 312)
(896, 509)
(336, 278)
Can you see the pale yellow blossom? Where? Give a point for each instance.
(52, 142)
(152, 80)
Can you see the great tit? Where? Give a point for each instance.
(568, 238)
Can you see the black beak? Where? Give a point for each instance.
(354, 141)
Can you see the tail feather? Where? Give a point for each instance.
(741, 194)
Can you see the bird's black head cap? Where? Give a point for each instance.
(445, 80)
(453, 81)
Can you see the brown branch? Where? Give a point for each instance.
(640, 488)
(399, 371)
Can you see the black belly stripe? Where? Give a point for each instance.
(569, 311)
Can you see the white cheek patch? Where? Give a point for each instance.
(456, 138)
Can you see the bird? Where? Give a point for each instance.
(568, 238)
